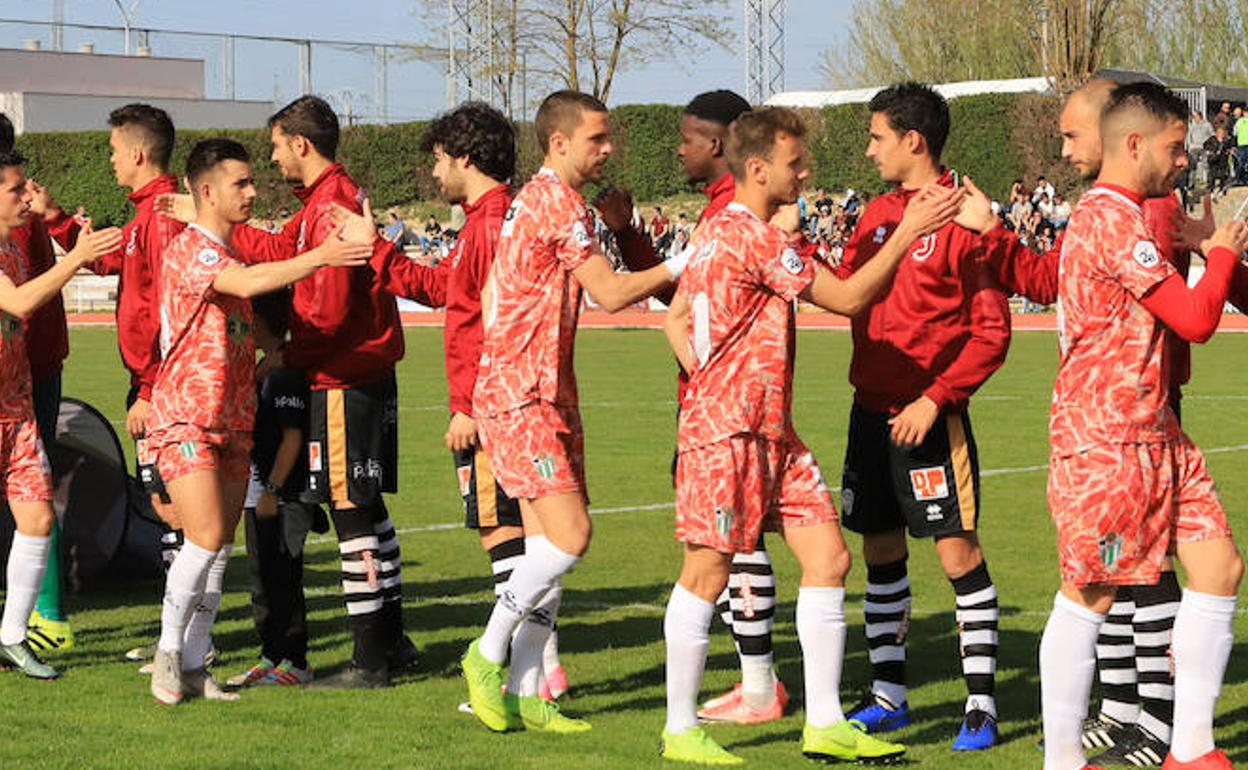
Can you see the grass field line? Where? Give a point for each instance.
(443, 527)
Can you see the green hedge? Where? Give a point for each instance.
(387, 161)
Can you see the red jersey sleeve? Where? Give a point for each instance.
(1193, 313)
(780, 268)
(1138, 265)
(110, 263)
(64, 230)
(1021, 270)
(158, 232)
(203, 269)
(574, 241)
(255, 245)
(985, 351)
(404, 277)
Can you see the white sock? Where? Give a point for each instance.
(758, 679)
(821, 631)
(1067, 666)
(542, 566)
(550, 653)
(198, 638)
(28, 558)
(686, 632)
(1201, 645)
(528, 644)
(184, 584)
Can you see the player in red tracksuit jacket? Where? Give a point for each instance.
(920, 352)
(747, 605)
(1137, 704)
(346, 336)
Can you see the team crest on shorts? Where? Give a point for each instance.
(545, 465)
(188, 449)
(314, 456)
(1111, 549)
(723, 521)
(929, 483)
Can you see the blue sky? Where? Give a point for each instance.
(416, 89)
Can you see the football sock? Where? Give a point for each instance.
(1067, 665)
(528, 644)
(28, 557)
(51, 592)
(198, 638)
(503, 559)
(1202, 643)
(887, 610)
(821, 631)
(752, 605)
(977, 616)
(1115, 660)
(542, 566)
(1155, 608)
(366, 577)
(170, 543)
(391, 560)
(188, 574)
(550, 653)
(686, 627)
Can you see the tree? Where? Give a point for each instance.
(1074, 37)
(584, 44)
(1199, 40)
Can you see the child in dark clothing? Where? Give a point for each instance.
(277, 521)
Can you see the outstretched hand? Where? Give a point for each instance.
(976, 214)
(1232, 235)
(337, 251)
(932, 208)
(360, 228)
(1189, 233)
(179, 206)
(615, 205)
(41, 202)
(93, 244)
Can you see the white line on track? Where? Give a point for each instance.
(667, 506)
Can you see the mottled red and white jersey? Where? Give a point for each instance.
(533, 300)
(208, 357)
(740, 285)
(1112, 383)
(15, 403)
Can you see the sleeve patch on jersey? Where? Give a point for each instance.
(1146, 254)
(881, 233)
(792, 261)
(509, 220)
(209, 257)
(929, 483)
(580, 234)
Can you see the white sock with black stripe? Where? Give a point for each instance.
(503, 559)
(542, 566)
(1115, 661)
(183, 587)
(752, 603)
(887, 610)
(528, 644)
(977, 617)
(198, 641)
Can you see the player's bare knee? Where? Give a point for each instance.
(884, 547)
(959, 554)
(34, 520)
(827, 568)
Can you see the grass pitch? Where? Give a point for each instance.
(100, 714)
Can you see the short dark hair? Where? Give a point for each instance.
(1155, 99)
(8, 137)
(312, 118)
(753, 135)
(722, 106)
(153, 124)
(273, 308)
(912, 106)
(481, 133)
(561, 111)
(11, 158)
(208, 153)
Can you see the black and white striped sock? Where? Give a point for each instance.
(887, 610)
(752, 600)
(391, 560)
(1155, 610)
(503, 559)
(977, 617)
(1115, 660)
(366, 579)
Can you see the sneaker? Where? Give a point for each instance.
(847, 741)
(694, 745)
(732, 707)
(1102, 732)
(286, 674)
(167, 686)
(251, 676)
(554, 685)
(24, 659)
(1138, 747)
(485, 689)
(877, 714)
(1214, 760)
(544, 716)
(201, 684)
(404, 656)
(46, 635)
(354, 677)
(979, 731)
(142, 652)
(147, 668)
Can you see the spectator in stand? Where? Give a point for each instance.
(1198, 132)
(659, 235)
(852, 206)
(1241, 147)
(682, 225)
(1219, 148)
(1061, 212)
(432, 239)
(680, 239)
(396, 229)
(1043, 188)
(1045, 207)
(1223, 118)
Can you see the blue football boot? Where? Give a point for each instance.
(877, 714)
(979, 732)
